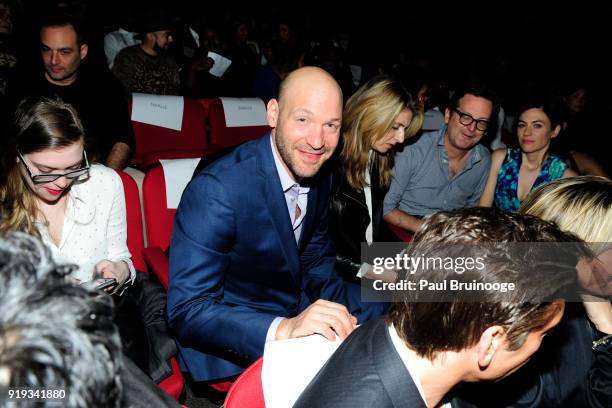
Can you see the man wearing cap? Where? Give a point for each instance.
(148, 67)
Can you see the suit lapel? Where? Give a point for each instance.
(393, 373)
(275, 199)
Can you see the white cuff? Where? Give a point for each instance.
(271, 336)
(365, 268)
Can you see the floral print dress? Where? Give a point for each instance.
(506, 191)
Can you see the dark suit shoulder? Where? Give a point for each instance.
(366, 370)
(234, 162)
(349, 378)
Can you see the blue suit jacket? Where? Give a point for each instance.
(235, 265)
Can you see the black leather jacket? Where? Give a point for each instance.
(348, 220)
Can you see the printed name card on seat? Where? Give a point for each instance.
(236, 120)
(167, 127)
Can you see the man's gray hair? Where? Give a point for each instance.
(54, 334)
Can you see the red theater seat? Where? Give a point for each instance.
(154, 143)
(135, 238)
(158, 217)
(173, 385)
(223, 136)
(247, 390)
(401, 233)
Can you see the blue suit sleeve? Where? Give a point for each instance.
(203, 237)
(319, 277)
(318, 262)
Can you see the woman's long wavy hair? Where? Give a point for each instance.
(368, 115)
(40, 123)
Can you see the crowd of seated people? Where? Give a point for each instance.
(267, 240)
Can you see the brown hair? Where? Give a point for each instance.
(40, 123)
(431, 327)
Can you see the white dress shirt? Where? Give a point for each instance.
(95, 226)
(289, 187)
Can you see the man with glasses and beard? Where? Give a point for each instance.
(148, 67)
(445, 169)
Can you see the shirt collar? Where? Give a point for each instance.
(286, 181)
(475, 152)
(441, 133)
(404, 354)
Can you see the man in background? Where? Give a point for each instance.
(95, 94)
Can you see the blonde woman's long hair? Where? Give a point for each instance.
(40, 123)
(582, 205)
(368, 115)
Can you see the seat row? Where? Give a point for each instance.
(171, 135)
(175, 127)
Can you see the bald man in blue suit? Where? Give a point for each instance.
(251, 259)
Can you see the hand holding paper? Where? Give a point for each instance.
(220, 64)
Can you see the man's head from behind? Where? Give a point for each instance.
(496, 333)
(468, 116)
(62, 47)
(53, 334)
(306, 120)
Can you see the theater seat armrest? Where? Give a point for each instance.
(173, 385)
(157, 263)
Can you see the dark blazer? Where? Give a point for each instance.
(235, 265)
(365, 371)
(349, 218)
(565, 372)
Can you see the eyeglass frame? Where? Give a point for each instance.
(69, 175)
(472, 120)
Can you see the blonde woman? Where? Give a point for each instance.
(376, 119)
(50, 190)
(577, 370)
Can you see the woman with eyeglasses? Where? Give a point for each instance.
(50, 190)
(517, 171)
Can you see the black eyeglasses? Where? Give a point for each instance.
(48, 178)
(466, 120)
